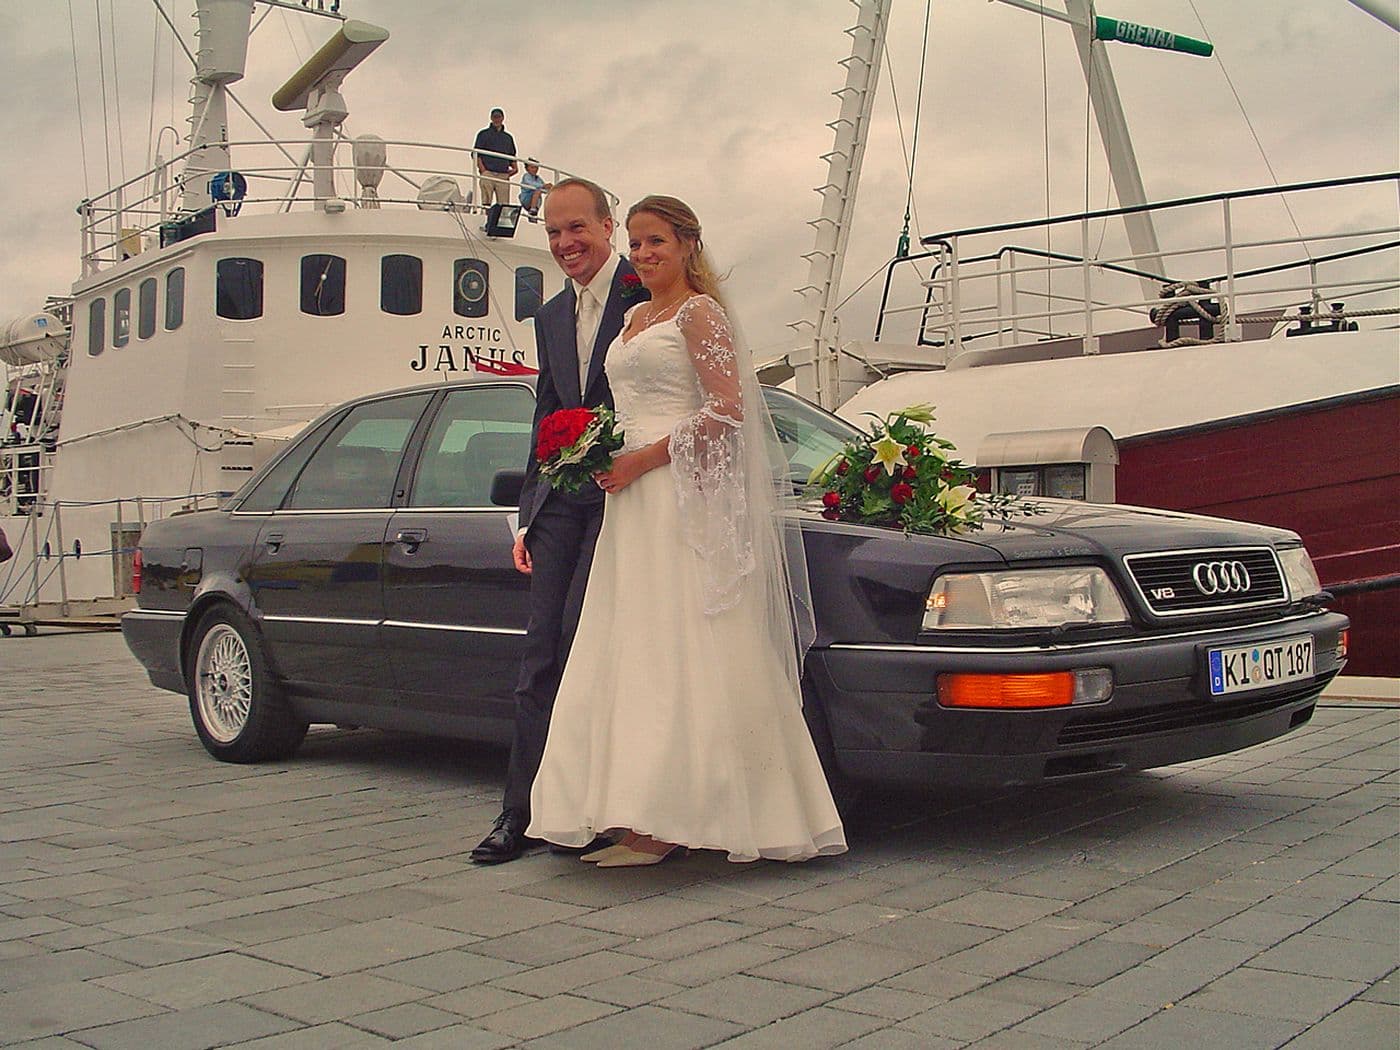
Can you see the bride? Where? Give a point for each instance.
(678, 720)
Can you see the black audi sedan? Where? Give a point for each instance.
(363, 577)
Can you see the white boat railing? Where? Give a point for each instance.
(130, 217)
(26, 582)
(1235, 277)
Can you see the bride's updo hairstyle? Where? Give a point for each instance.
(699, 274)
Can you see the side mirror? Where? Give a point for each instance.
(506, 486)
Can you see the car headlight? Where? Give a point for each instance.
(1299, 572)
(1023, 598)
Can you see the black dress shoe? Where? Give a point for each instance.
(599, 842)
(506, 841)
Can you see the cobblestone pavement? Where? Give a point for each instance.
(151, 897)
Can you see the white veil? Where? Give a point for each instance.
(733, 489)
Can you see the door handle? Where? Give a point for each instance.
(411, 539)
(273, 541)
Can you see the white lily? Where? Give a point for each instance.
(889, 453)
(955, 500)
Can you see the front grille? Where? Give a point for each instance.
(1101, 729)
(1176, 583)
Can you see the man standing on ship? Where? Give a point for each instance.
(495, 172)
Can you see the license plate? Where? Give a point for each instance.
(1245, 667)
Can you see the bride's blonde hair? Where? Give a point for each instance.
(699, 274)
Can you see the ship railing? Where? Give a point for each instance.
(1234, 278)
(130, 217)
(28, 582)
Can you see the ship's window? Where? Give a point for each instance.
(121, 317)
(322, 285)
(401, 285)
(356, 467)
(239, 289)
(146, 309)
(97, 326)
(469, 288)
(174, 298)
(529, 292)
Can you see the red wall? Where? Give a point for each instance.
(1331, 474)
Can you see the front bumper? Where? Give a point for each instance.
(887, 725)
(153, 636)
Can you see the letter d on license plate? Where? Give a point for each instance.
(1245, 667)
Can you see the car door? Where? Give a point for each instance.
(316, 573)
(455, 608)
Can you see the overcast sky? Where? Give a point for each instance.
(724, 103)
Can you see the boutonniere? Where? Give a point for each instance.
(632, 287)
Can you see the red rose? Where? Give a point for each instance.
(631, 286)
(901, 492)
(872, 474)
(947, 474)
(910, 473)
(831, 499)
(831, 515)
(560, 429)
(842, 466)
(913, 452)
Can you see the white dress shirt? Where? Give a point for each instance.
(592, 299)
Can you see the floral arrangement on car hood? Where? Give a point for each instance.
(902, 475)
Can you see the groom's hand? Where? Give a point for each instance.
(520, 554)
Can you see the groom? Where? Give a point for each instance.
(558, 530)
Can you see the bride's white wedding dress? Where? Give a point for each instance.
(676, 716)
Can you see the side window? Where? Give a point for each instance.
(146, 309)
(174, 298)
(268, 492)
(477, 432)
(529, 291)
(238, 291)
(401, 285)
(322, 285)
(809, 437)
(97, 327)
(355, 468)
(121, 317)
(470, 288)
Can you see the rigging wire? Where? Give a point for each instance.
(1250, 124)
(912, 157)
(1045, 124)
(151, 116)
(117, 89)
(102, 73)
(78, 96)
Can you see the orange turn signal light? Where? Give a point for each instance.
(1055, 689)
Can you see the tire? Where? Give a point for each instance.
(238, 709)
(845, 792)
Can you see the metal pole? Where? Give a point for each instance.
(1015, 301)
(1091, 341)
(62, 559)
(119, 585)
(1234, 331)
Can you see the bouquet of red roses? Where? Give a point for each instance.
(576, 443)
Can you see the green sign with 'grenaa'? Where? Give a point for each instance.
(1146, 36)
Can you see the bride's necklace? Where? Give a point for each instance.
(656, 316)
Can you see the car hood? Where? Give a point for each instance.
(1072, 529)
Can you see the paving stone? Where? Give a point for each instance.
(1030, 990)
(26, 971)
(646, 918)
(209, 979)
(1184, 1026)
(1087, 1018)
(51, 1009)
(853, 918)
(695, 937)
(198, 1029)
(898, 1039)
(551, 943)
(1000, 911)
(1357, 1024)
(334, 998)
(842, 966)
(817, 1029)
(969, 1017)
(936, 982)
(1091, 963)
(1306, 953)
(571, 973)
(447, 971)
(1361, 920)
(1386, 990)
(713, 963)
(457, 1037)
(628, 990)
(544, 1016)
(926, 934)
(333, 1036)
(652, 1027)
(746, 1000)
(1269, 993)
(492, 914)
(406, 1019)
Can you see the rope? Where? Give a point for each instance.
(151, 117)
(912, 157)
(117, 90)
(1045, 125)
(78, 95)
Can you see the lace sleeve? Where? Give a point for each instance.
(707, 456)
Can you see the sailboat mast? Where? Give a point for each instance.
(817, 370)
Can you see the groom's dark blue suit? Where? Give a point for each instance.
(563, 527)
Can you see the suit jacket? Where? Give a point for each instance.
(557, 386)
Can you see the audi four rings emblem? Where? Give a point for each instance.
(1220, 577)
